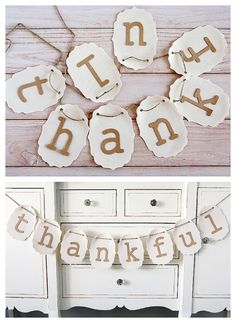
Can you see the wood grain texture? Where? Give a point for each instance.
(208, 150)
(40, 53)
(104, 16)
(130, 171)
(207, 146)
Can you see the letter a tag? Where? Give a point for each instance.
(213, 224)
(187, 237)
(102, 252)
(74, 246)
(35, 89)
(63, 135)
(22, 222)
(111, 136)
(135, 38)
(93, 72)
(197, 51)
(46, 237)
(199, 100)
(131, 252)
(161, 126)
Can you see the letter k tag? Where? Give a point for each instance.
(200, 103)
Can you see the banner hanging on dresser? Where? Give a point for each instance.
(186, 235)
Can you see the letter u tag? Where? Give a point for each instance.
(135, 38)
(111, 136)
(161, 126)
(63, 135)
(197, 51)
(187, 237)
(35, 89)
(93, 72)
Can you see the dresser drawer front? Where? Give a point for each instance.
(151, 203)
(96, 203)
(147, 282)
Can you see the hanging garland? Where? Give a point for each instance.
(185, 235)
(96, 77)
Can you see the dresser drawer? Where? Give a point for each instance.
(151, 203)
(82, 203)
(147, 282)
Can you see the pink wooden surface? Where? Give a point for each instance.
(208, 150)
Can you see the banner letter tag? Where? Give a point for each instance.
(199, 100)
(34, 89)
(213, 224)
(22, 222)
(111, 136)
(135, 38)
(160, 247)
(187, 237)
(46, 237)
(93, 72)
(131, 252)
(102, 252)
(74, 246)
(63, 135)
(197, 51)
(161, 126)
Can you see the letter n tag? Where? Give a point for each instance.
(34, 89)
(135, 38)
(63, 135)
(111, 136)
(102, 252)
(161, 126)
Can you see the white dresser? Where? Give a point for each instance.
(188, 284)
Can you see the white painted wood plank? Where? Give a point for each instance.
(206, 147)
(30, 51)
(135, 88)
(124, 171)
(104, 16)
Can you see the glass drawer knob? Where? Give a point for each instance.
(120, 282)
(153, 202)
(87, 202)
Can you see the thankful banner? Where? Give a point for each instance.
(159, 244)
(94, 73)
